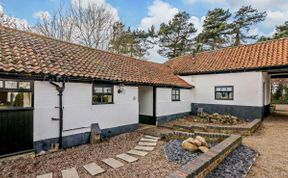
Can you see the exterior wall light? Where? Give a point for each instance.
(121, 88)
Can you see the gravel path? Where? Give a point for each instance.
(154, 164)
(270, 141)
(174, 152)
(236, 165)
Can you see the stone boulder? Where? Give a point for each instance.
(203, 149)
(202, 141)
(189, 146)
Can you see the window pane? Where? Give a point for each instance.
(173, 97)
(107, 98)
(98, 90)
(15, 99)
(107, 89)
(229, 89)
(24, 85)
(97, 99)
(11, 84)
(218, 95)
(230, 95)
(1, 84)
(173, 91)
(223, 89)
(178, 92)
(218, 89)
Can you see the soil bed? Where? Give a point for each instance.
(236, 164)
(174, 152)
(154, 164)
(195, 120)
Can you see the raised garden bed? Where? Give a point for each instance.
(190, 125)
(201, 165)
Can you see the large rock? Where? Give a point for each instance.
(202, 140)
(216, 116)
(203, 149)
(190, 140)
(189, 146)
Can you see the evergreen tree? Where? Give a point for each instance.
(175, 38)
(214, 34)
(132, 43)
(244, 18)
(281, 31)
(118, 38)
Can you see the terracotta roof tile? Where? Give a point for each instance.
(273, 53)
(31, 53)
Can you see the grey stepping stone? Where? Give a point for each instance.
(147, 144)
(49, 175)
(127, 158)
(145, 148)
(113, 163)
(93, 169)
(70, 173)
(151, 137)
(147, 140)
(137, 152)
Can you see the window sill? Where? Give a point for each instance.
(95, 104)
(16, 109)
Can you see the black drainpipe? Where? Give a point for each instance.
(60, 90)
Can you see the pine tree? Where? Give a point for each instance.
(131, 43)
(214, 34)
(281, 31)
(175, 38)
(244, 18)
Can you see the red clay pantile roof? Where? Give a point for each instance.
(273, 53)
(29, 53)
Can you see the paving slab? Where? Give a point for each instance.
(151, 137)
(144, 148)
(113, 163)
(49, 175)
(137, 152)
(147, 140)
(70, 173)
(147, 143)
(127, 158)
(93, 169)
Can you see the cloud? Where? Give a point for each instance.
(11, 21)
(41, 15)
(1, 10)
(204, 1)
(85, 3)
(198, 22)
(158, 13)
(260, 4)
(275, 18)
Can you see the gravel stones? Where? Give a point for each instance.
(174, 152)
(237, 164)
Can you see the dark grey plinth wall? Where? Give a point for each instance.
(163, 119)
(245, 112)
(82, 138)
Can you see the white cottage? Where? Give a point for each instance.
(53, 91)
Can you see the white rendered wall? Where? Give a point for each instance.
(79, 111)
(248, 88)
(146, 100)
(165, 106)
